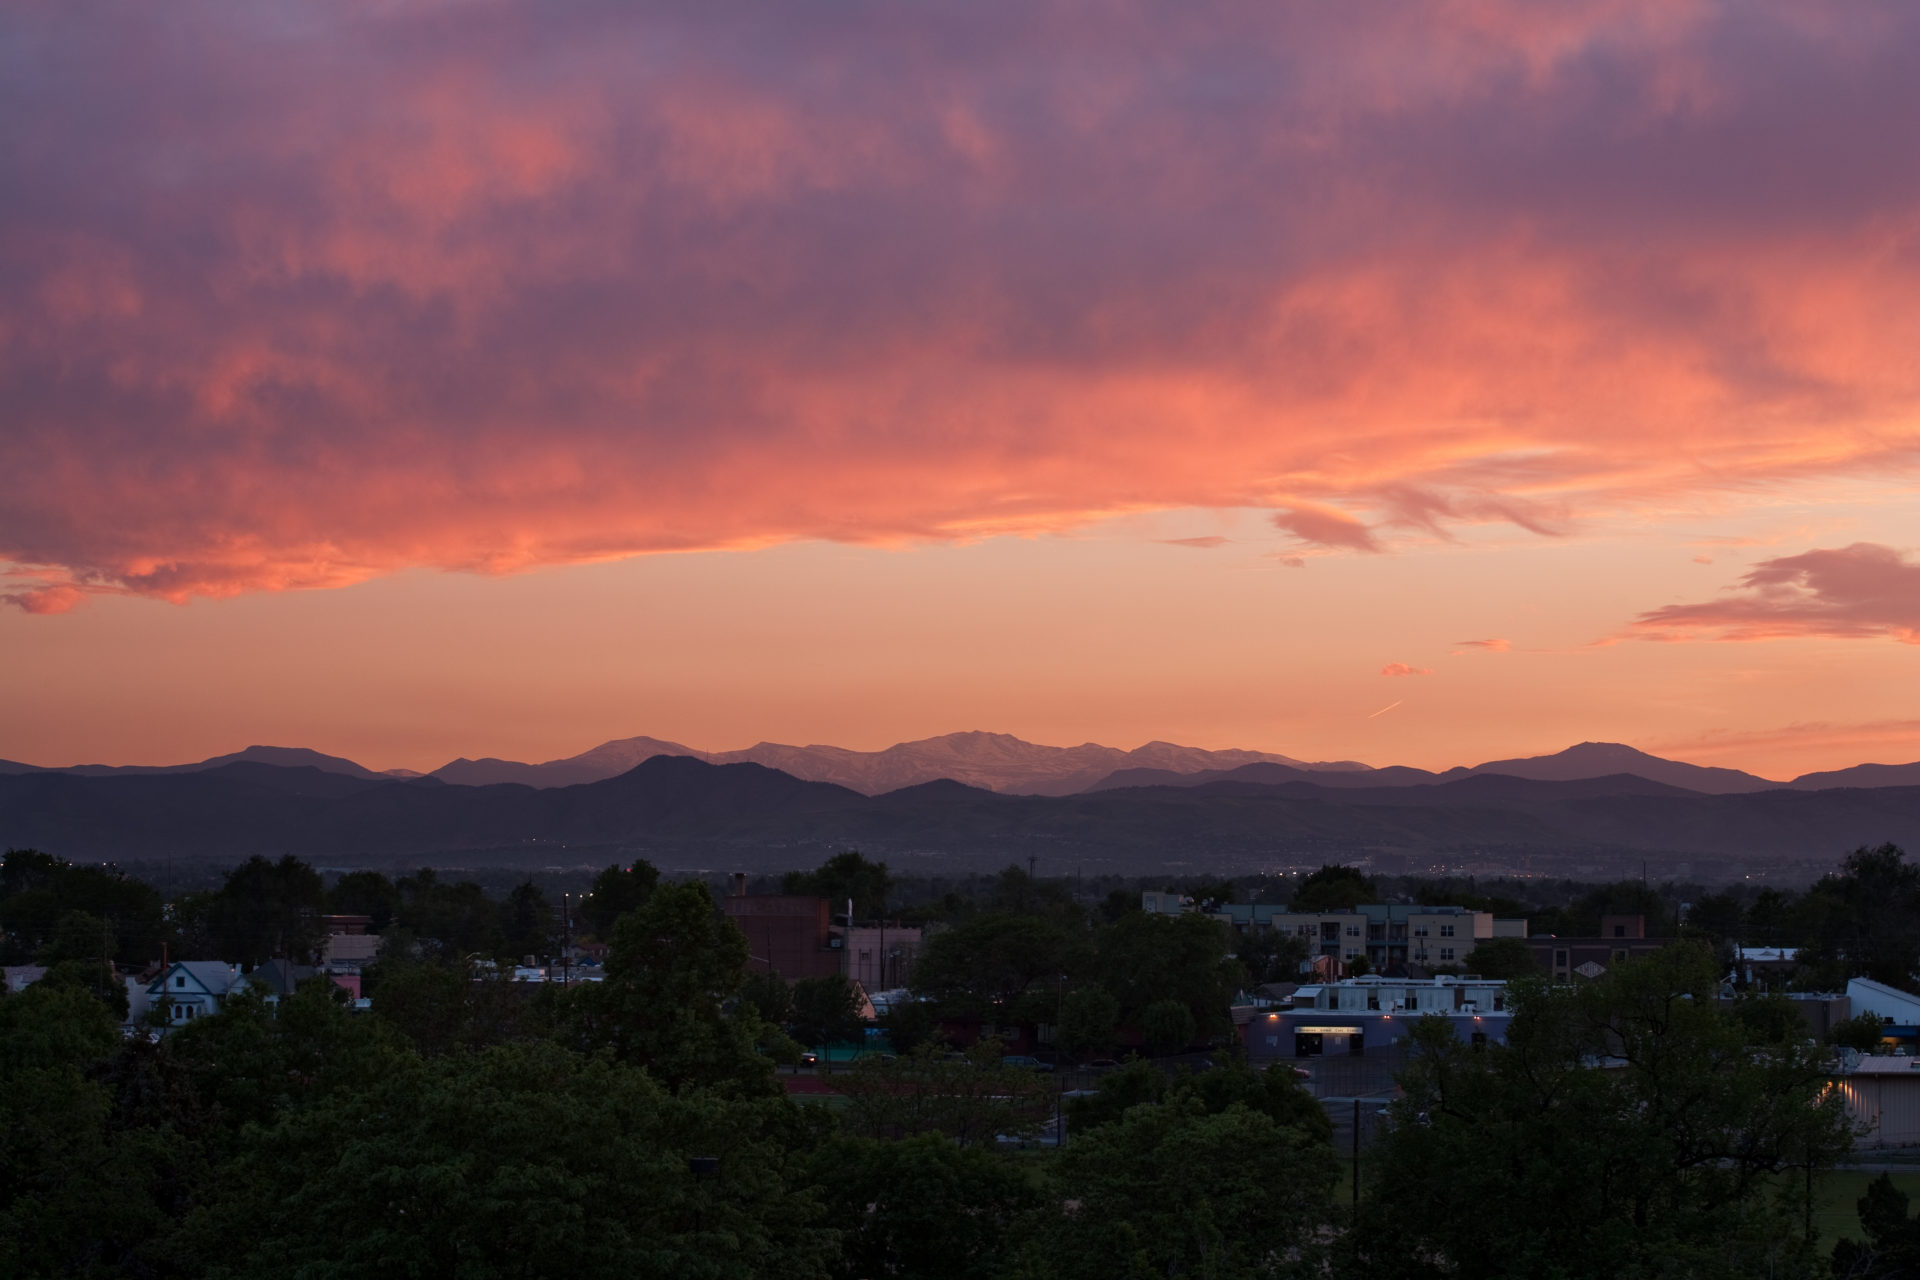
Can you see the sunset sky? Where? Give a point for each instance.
(1415, 385)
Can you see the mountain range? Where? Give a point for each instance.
(681, 812)
(1002, 763)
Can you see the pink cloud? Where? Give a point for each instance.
(1402, 669)
(1207, 542)
(1326, 527)
(475, 289)
(54, 598)
(1850, 592)
(1490, 646)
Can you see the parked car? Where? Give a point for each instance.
(1301, 1073)
(1025, 1062)
(809, 1059)
(1104, 1064)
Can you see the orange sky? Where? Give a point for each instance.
(410, 381)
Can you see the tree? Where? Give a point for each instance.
(1018, 891)
(826, 1010)
(671, 967)
(1333, 888)
(1167, 1026)
(922, 1207)
(77, 1191)
(770, 996)
(445, 1006)
(37, 889)
(972, 1098)
(450, 920)
(1869, 917)
(909, 1024)
(1863, 1032)
(1891, 1250)
(1717, 917)
(615, 892)
(842, 877)
(998, 966)
(1172, 1191)
(267, 909)
(1775, 919)
(365, 893)
(1274, 1092)
(1144, 959)
(522, 1160)
(1088, 1016)
(526, 921)
(1270, 955)
(1504, 958)
(1627, 1127)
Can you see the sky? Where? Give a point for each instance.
(1415, 385)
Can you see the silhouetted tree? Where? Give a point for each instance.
(616, 891)
(845, 876)
(1332, 888)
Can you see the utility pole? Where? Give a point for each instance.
(1356, 1154)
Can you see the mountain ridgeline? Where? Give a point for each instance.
(678, 810)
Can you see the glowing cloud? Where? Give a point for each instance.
(1490, 646)
(1845, 592)
(1402, 669)
(54, 598)
(494, 286)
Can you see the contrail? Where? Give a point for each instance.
(1382, 711)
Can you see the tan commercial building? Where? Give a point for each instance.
(1390, 935)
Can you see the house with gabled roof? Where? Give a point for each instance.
(192, 989)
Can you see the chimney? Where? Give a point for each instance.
(739, 884)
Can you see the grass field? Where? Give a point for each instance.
(1836, 1194)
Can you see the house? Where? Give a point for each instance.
(192, 989)
(21, 976)
(1762, 965)
(277, 978)
(349, 952)
(1375, 1014)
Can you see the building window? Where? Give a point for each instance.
(1560, 959)
(1446, 931)
(1446, 953)
(1619, 953)
(1419, 931)
(1353, 931)
(179, 982)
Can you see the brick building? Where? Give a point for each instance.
(1621, 938)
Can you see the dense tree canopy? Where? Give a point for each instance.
(520, 1160)
(616, 891)
(37, 891)
(1333, 888)
(1628, 1127)
(673, 967)
(842, 878)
